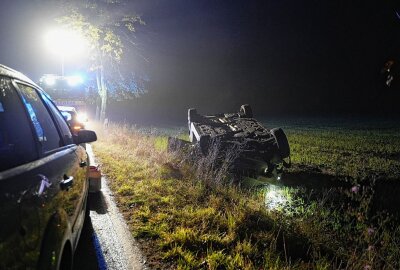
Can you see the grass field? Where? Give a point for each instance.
(187, 222)
(358, 152)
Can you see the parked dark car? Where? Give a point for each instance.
(43, 178)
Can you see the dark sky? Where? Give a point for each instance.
(311, 57)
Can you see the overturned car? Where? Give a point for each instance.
(258, 151)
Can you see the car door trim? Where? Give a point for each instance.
(13, 172)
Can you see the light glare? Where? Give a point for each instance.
(274, 197)
(50, 80)
(74, 80)
(65, 42)
(82, 117)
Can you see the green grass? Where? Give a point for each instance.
(186, 223)
(354, 153)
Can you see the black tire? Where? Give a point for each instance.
(192, 117)
(52, 241)
(204, 144)
(246, 111)
(282, 142)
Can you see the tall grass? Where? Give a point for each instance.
(187, 215)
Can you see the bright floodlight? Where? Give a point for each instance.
(74, 80)
(50, 80)
(65, 42)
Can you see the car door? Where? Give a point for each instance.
(61, 189)
(81, 184)
(18, 153)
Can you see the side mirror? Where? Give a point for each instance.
(85, 136)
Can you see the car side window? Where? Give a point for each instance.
(17, 144)
(43, 124)
(65, 132)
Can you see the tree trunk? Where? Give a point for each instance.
(102, 90)
(98, 100)
(103, 109)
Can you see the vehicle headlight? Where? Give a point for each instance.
(82, 117)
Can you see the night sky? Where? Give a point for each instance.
(312, 58)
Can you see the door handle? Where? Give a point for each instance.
(82, 164)
(66, 183)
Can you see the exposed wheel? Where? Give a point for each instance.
(204, 144)
(192, 116)
(282, 142)
(246, 111)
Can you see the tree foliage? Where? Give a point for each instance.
(108, 27)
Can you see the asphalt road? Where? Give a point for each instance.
(106, 242)
(85, 255)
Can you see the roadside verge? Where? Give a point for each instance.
(119, 248)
